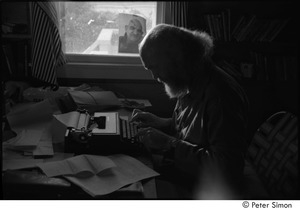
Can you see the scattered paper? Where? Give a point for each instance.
(135, 103)
(32, 142)
(81, 165)
(58, 156)
(99, 175)
(128, 170)
(25, 140)
(99, 98)
(32, 115)
(14, 164)
(45, 147)
(69, 119)
(58, 130)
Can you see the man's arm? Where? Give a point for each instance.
(226, 145)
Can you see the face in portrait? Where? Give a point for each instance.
(132, 35)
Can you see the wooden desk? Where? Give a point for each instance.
(149, 185)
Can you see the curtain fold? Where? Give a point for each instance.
(178, 12)
(47, 54)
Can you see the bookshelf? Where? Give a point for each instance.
(264, 52)
(15, 40)
(255, 39)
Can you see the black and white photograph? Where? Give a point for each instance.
(190, 103)
(131, 32)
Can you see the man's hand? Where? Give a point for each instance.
(155, 139)
(146, 119)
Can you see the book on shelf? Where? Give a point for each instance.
(278, 26)
(6, 63)
(258, 64)
(285, 69)
(26, 59)
(265, 67)
(225, 26)
(243, 27)
(251, 30)
(259, 30)
(275, 67)
(16, 57)
(215, 26)
(269, 26)
(8, 56)
(280, 70)
(228, 25)
(268, 29)
(208, 23)
(291, 65)
(227, 16)
(218, 24)
(238, 26)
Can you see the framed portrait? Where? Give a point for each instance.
(132, 29)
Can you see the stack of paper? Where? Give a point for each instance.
(99, 175)
(13, 161)
(31, 142)
(13, 164)
(100, 99)
(32, 123)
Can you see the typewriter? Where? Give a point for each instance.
(104, 133)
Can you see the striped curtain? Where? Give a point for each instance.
(47, 54)
(178, 12)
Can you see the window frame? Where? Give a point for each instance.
(109, 66)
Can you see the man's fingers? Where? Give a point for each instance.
(144, 131)
(134, 114)
(136, 111)
(138, 116)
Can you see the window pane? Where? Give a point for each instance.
(94, 28)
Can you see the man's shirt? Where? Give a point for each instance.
(210, 123)
(125, 47)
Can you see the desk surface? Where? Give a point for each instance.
(149, 185)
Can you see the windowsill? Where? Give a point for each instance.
(104, 71)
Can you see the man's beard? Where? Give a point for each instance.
(173, 92)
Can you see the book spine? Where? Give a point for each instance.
(215, 26)
(237, 27)
(4, 48)
(243, 31)
(228, 11)
(25, 59)
(267, 29)
(224, 24)
(277, 30)
(209, 23)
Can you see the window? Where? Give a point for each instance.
(92, 34)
